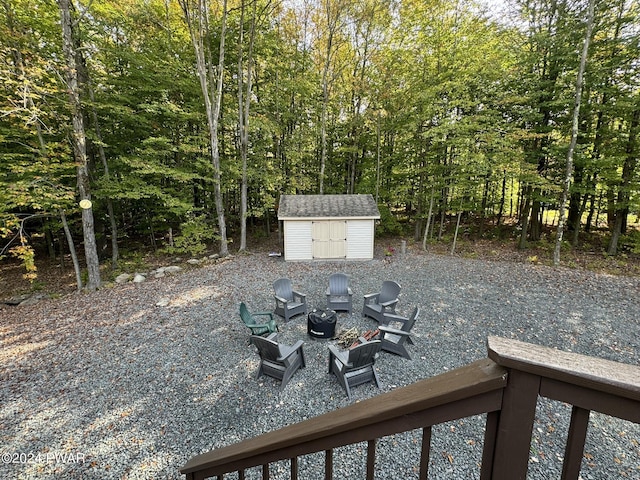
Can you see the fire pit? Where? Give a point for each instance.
(321, 323)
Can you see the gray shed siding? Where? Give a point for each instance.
(306, 216)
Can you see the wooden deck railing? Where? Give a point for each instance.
(505, 386)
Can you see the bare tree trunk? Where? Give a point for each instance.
(197, 18)
(243, 116)
(72, 249)
(455, 235)
(624, 195)
(574, 134)
(426, 228)
(103, 158)
(78, 140)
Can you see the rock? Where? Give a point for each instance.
(172, 269)
(163, 302)
(123, 278)
(26, 299)
(159, 274)
(18, 299)
(33, 299)
(139, 278)
(193, 261)
(214, 256)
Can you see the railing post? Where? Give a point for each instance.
(515, 426)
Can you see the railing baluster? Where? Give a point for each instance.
(425, 453)
(490, 435)
(265, 471)
(328, 464)
(240, 474)
(294, 468)
(575, 443)
(371, 458)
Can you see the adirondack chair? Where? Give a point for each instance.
(289, 302)
(277, 360)
(377, 304)
(355, 366)
(394, 339)
(260, 323)
(339, 295)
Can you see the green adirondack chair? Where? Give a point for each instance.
(263, 325)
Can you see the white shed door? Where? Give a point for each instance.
(329, 239)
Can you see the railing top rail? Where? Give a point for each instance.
(476, 378)
(606, 376)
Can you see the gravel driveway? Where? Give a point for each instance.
(110, 385)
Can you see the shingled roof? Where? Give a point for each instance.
(323, 206)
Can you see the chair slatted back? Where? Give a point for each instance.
(283, 288)
(389, 291)
(338, 284)
(364, 354)
(246, 316)
(408, 325)
(267, 349)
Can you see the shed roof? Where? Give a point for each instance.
(324, 206)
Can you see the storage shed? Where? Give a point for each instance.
(328, 227)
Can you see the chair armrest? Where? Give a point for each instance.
(273, 336)
(371, 297)
(286, 351)
(281, 299)
(335, 353)
(387, 318)
(395, 331)
(258, 327)
(389, 303)
(301, 296)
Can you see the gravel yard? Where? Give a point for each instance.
(111, 385)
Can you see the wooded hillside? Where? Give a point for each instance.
(179, 123)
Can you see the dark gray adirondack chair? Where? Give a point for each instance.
(260, 323)
(289, 303)
(355, 366)
(339, 295)
(377, 304)
(277, 360)
(394, 339)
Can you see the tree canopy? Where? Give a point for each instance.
(438, 108)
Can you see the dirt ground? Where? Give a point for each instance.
(56, 278)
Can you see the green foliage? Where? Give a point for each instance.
(427, 98)
(193, 238)
(389, 224)
(27, 256)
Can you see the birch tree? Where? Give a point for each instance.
(79, 143)
(574, 133)
(197, 16)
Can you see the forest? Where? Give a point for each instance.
(175, 125)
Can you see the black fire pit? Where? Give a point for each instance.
(321, 323)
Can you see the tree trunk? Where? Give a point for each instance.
(78, 140)
(244, 103)
(624, 194)
(197, 18)
(72, 249)
(574, 135)
(103, 158)
(426, 229)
